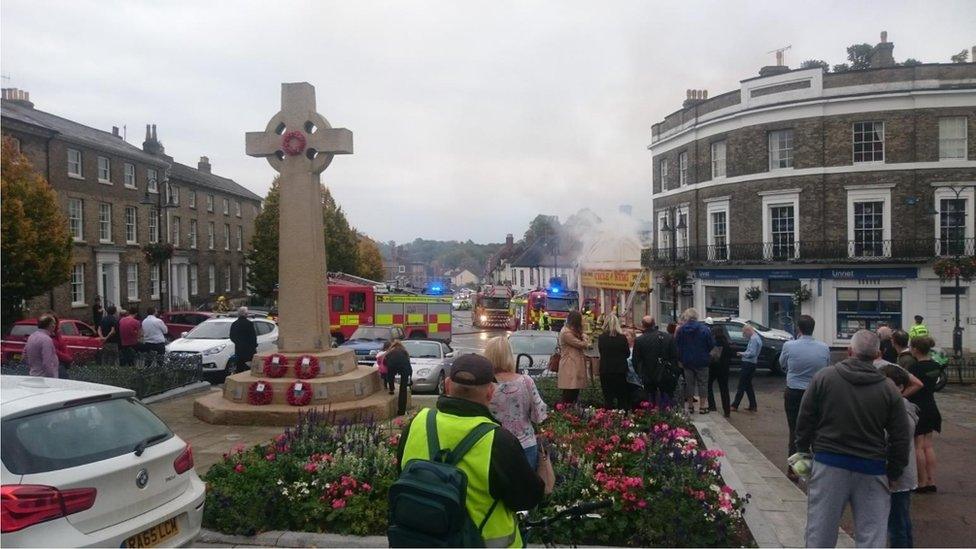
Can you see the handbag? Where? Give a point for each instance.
(544, 469)
(554, 361)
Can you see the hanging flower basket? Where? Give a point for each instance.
(753, 293)
(158, 252)
(306, 367)
(260, 393)
(949, 268)
(675, 278)
(299, 393)
(802, 294)
(275, 365)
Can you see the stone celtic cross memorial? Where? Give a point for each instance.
(306, 372)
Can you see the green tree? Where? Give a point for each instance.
(543, 227)
(811, 63)
(841, 67)
(911, 62)
(860, 56)
(341, 242)
(370, 261)
(36, 244)
(960, 57)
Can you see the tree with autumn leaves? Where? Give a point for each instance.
(36, 244)
(347, 250)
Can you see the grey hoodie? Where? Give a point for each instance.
(848, 409)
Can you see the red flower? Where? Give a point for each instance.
(239, 468)
(306, 371)
(270, 457)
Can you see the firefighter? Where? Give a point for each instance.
(545, 323)
(588, 322)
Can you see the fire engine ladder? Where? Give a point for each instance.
(633, 293)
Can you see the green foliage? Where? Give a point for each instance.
(443, 255)
(148, 377)
(342, 243)
(960, 57)
(35, 249)
(370, 260)
(911, 62)
(812, 63)
(842, 67)
(860, 56)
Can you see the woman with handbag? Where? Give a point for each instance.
(718, 368)
(516, 402)
(572, 363)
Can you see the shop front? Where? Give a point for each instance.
(607, 290)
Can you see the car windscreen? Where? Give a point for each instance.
(23, 330)
(422, 349)
(77, 435)
(532, 345)
(561, 304)
(371, 333)
(210, 330)
(757, 326)
(496, 303)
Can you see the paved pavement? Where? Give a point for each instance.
(947, 518)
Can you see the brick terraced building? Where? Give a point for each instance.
(110, 190)
(849, 185)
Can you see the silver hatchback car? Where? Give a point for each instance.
(431, 362)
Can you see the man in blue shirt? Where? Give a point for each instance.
(749, 359)
(800, 360)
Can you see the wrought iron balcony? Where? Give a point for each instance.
(919, 250)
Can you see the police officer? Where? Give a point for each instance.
(918, 329)
(509, 479)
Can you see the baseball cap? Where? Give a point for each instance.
(472, 369)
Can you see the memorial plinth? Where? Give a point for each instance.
(300, 143)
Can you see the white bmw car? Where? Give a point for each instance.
(210, 340)
(87, 465)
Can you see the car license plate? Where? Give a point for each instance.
(155, 535)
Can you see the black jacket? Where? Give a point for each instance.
(652, 348)
(848, 409)
(244, 338)
(398, 362)
(510, 478)
(614, 352)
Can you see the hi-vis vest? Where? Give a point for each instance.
(918, 330)
(501, 530)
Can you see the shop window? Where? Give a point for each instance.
(867, 309)
(721, 301)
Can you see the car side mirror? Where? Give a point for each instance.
(450, 355)
(183, 334)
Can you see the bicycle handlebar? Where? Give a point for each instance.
(576, 511)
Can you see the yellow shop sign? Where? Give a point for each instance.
(615, 280)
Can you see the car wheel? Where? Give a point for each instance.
(774, 367)
(440, 383)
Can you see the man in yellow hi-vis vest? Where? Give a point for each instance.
(499, 478)
(918, 329)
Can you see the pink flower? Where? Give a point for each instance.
(645, 405)
(366, 487)
(239, 468)
(238, 449)
(638, 445)
(270, 457)
(311, 467)
(338, 503)
(642, 504)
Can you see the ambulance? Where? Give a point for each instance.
(355, 302)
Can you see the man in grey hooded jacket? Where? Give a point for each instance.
(855, 424)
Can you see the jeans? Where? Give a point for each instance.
(791, 401)
(532, 454)
(616, 391)
(402, 396)
(829, 492)
(745, 385)
(900, 520)
(719, 373)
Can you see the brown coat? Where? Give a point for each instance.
(572, 366)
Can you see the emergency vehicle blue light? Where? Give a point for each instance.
(555, 290)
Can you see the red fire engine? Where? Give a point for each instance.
(355, 302)
(555, 300)
(490, 307)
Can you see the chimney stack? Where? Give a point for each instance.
(883, 55)
(694, 97)
(115, 131)
(509, 239)
(204, 164)
(152, 145)
(19, 97)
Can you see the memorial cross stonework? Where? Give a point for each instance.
(299, 143)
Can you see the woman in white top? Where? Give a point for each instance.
(516, 403)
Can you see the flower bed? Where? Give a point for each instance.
(322, 477)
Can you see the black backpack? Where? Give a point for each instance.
(427, 502)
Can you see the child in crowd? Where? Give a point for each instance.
(899, 518)
(382, 369)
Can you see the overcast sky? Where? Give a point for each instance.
(468, 118)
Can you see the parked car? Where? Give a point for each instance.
(772, 341)
(532, 350)
(82, 339)
(430, 361)
(210, 340)
(178, 322)
(87, 465)
(366, 341)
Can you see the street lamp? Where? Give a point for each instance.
(956, 246)
(162, 232)
(673, 228)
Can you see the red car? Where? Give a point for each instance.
(178, 322)
(82, 339)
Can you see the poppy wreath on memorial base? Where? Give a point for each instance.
(260, 393)
(309, 370)
(275, 369)
(293, 143)
(298, 397)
